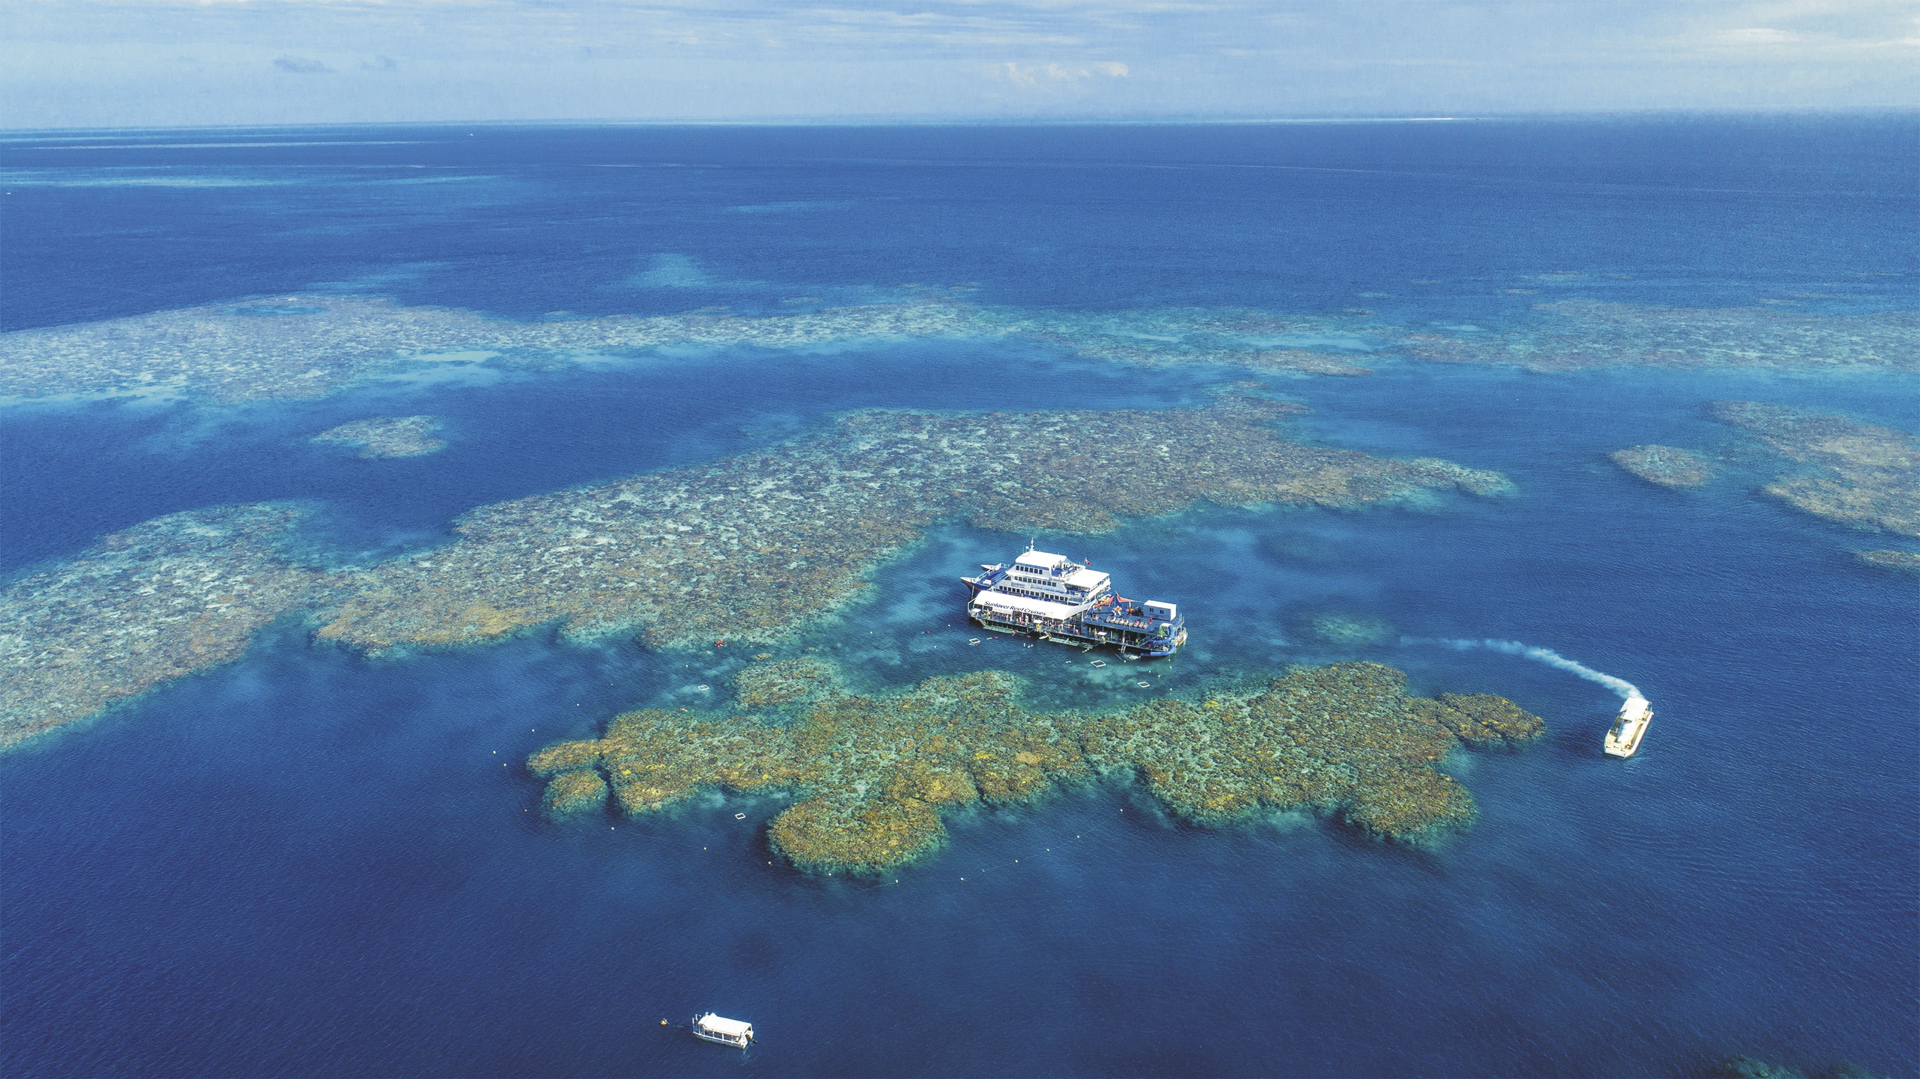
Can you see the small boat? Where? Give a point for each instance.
(1629, 727)
(714, 1028)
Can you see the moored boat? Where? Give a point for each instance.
(714, 1028)
(1054, 598)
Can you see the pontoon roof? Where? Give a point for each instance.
(732, 1028)
(1040, 560)
(1085, 578)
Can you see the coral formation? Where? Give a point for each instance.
(1352, 630)
(1166, 337)
(1899, 561)
(1574, 334)
(1856, 473)
(310, 346)
(874, 775)
(745, 547)
(169, 596)
(751, 546)
(573, 793)
(1745, 1067)
(388, 436)
(776, 684)
(1481, 719)
(1664, 465)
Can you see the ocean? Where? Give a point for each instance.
(312, 862)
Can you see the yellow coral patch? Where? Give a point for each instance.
(874, 774)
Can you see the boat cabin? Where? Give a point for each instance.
(1055, 577)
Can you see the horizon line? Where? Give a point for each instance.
(999, 121)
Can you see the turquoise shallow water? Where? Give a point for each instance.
(312, 863)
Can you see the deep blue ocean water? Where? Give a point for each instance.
(312, 863)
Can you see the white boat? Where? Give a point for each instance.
(725, 1031)
(1630, 726)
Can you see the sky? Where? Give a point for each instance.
(141, 63)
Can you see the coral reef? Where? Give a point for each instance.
(310, 346)
(1664, 465)
(573, 793)
(1574, 334)
(1481, 719)
(388, 436)
(749, 547)
(745, 547)
(1899, 561)
(781, 683)
(1853, 472)
(169, 596)
(1745, 1067)
(873, 775)
(1166, 337)
(1352, 630)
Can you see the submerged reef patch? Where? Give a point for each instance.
(1481, 719)
(159, 600)
(311, 346)
(1852, 472)
(570, 794)
(1664, 465)
(744, 548)
(1351, 630)
(1174, 336)
(1898, 561)
(874, 775)
(749, 547)
(388, 436)
(1574, 334)
(783, 682)
(1745, 1067)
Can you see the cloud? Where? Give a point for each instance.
(1756, 35)
(108, 63)
(300, 65)
(1036, 74)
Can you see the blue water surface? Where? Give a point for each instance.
(312, 863)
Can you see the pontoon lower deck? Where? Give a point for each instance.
(1129, 633)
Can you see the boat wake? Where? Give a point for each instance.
(1628, 692)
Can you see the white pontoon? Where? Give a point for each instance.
(716, 1028)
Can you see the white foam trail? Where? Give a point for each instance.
(1627, 690)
